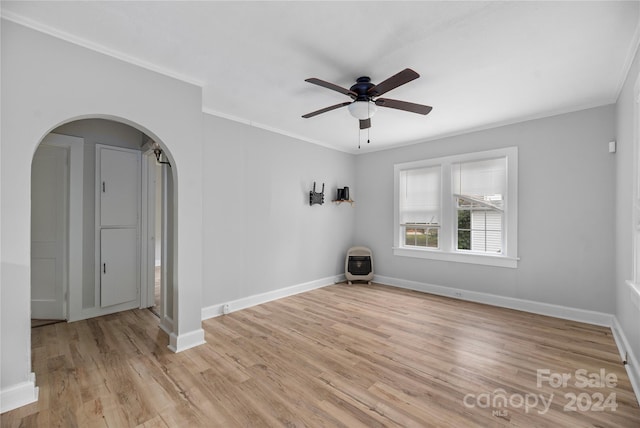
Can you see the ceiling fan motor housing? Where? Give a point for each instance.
(362, 86)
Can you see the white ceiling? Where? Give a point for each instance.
(481, 63)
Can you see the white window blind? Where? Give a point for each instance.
(420, 196)
(485, 180)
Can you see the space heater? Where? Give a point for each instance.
(358, 265)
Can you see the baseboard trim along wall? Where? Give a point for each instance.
(257, 299)
(633, 365)
(19, 395)
(182, 342)
(557, 311)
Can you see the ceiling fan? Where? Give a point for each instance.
(365, 97)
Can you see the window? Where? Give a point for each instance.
(458, 208)
(420, 206)
(479, 188)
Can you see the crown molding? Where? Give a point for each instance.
(96, 47)
(248, 122)
(631, 54)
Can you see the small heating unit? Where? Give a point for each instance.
(358, 265)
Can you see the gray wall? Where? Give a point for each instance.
(565, 214)
(47, 82)
(95, 131)
(260, 232)
(627, 315)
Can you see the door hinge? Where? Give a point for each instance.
(104, 187)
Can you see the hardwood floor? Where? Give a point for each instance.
(344, 355)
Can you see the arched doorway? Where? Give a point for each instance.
(71, 171)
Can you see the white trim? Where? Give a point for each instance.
(166, 325)
(97, 311)
(478, 259)
(633, 365)
(557, 311)
(75, 212)
(492, 125)
(279, 131)
(634, 293)
(148, 231)
(257, 299)
(96, 47)
(182, 342)
(19, 395)
(166, 318)
(628, 62)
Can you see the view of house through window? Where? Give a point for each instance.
(479, 188)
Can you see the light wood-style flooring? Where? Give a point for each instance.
(340, 356)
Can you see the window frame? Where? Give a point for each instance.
(447, 240)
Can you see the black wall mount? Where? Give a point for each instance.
(315, 197)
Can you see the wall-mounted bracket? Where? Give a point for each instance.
(316, 198)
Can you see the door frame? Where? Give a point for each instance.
(148, 231)
(54, 307)
(148, 238)
(73, 237)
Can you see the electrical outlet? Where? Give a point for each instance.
(225, 308)
(457, 294)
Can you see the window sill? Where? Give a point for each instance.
(478, 259)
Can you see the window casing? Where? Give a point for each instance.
(459, 208)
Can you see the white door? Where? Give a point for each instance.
(119, 274)
(118, 182)
(49, 175)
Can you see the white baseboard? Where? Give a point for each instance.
(633, 365)
(182, 342)
(557, 311)
(19, 395)
(257, 299)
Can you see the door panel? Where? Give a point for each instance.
(48, 231)
(120, 187)
(42, 270)
(119, 269)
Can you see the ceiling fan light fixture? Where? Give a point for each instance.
(362, 109)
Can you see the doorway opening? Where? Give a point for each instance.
(77, 172)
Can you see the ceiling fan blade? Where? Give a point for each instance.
(326, 109)
(331, 86)
(405, 76)
(403, 105)
(365, 123)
